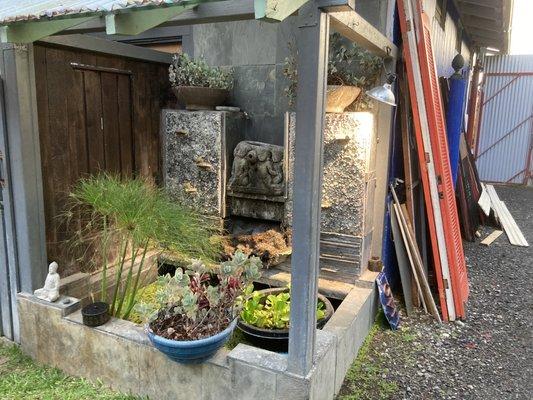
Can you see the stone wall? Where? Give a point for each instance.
(197, 152)
(119, 355)
(256, 51)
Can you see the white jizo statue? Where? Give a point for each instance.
(50, 291)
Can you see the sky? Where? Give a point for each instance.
(522, 27)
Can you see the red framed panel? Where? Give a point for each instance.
(406, 26)
(439, 144)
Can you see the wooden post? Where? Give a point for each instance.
(312, 40)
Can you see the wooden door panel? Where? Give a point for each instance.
(125, 133)
(110, 122)
(94, 121)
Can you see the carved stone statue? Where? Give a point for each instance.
(50, 291)
(257, 169)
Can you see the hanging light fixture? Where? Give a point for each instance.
(384, 93)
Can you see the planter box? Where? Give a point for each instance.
(120, 355)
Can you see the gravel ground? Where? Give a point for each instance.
(488, 356)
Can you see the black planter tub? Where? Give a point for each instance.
(95, 314)
(278, 339)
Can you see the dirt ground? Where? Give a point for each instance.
(488, 356)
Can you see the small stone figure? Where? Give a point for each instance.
(50, 291)
(240, 172)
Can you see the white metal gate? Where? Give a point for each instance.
(504, 147)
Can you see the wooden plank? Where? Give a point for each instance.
(419, 268)
(220, 11)
(491, 238)
(110, 122)
(512, 230)
(354, 27)
(58, 163)
(94, 128)
(506, 219)
(402, 258)
(138, 21)
(31, 31)
(125, 125)
(276, 10)
(103, 46)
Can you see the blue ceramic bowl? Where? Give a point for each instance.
(191, 351)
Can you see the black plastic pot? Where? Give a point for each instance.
(95, 314)
(278, 339)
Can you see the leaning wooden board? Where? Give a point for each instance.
(506, 219)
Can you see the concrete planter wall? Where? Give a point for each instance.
(120, 355)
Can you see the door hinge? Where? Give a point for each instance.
(426, 155)
(446, 284)
(102, 123)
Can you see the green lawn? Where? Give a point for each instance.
(23, 379)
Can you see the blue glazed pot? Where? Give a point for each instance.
(191, 351)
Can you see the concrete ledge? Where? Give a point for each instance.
(120, 355)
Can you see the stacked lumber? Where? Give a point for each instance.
(504, 217)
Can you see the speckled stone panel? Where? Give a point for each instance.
(190, 138)
(347, 140)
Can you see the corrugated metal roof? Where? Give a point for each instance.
(26, 10)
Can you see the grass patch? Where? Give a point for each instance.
(364, 378)
(22, 378)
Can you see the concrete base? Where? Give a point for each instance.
(120, 355)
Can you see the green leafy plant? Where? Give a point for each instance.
(348, 64)
(184, 71)
(195, 303)
(124, 219)
(272, 311)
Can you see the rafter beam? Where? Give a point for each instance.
(276, 10)
(32, 31)
(218, 11)
(138, 21)
(355, 28)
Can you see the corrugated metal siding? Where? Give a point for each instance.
(502, 157)
(24, 10)
(444, 41)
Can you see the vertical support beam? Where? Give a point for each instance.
(312, 41)
(25, 178)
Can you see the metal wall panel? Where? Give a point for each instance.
(507, 119)
(444, 40)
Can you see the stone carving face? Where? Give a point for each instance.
(257, 169)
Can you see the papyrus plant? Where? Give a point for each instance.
(122, 220)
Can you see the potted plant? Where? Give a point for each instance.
(265, 315)
(198, 86)
(196, 311)
(351, 69)
(124, 220)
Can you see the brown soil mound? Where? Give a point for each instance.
(272, 247)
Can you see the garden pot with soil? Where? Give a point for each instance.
(200, 98)
(95, 314)
(191, 351)
(340, 96)
(277, 339)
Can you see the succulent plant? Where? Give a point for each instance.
(197, 303)
(184, 71)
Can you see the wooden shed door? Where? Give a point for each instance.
(107, 109)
